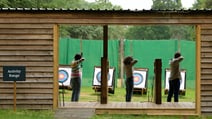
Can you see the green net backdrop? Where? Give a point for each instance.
(146, 51)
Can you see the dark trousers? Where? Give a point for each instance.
(174, 87)
(76, 85)
(129, 89)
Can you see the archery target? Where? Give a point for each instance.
(64, 76)
(97, 76)
(182, 81)
(139, 78)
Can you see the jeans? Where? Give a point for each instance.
(129, 89)
(76, 85)
(174, 87)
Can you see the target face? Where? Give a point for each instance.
(182, 81)
(64, 76)
(140, 76)
(97, 76)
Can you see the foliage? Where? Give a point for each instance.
(84, 32)
(104, 4)
(162, 31)
(208, 4)
(4, 3)
(146, 32)
(72, 4)
(202, 4)
(166, 4)
(24, 3)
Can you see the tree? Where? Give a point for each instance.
(4, 4)
(104, 4)
(69, 4)
(89, 31)
(158, 32)
(166, 4)
(202, 4)
(24, 3)
(208, 4)
(147, 32)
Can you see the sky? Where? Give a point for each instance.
(142, 4)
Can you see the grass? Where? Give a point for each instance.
(118, 116)
(48, 114)
(26, 114)
(89, 95)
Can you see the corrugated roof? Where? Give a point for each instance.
(76, 9)
(208, 11)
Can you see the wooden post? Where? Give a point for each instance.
(121, 50)
(157, 71)
(198, 69)
(56, 66)
(14, 97)
(104, 66)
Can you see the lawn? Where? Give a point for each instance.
(26, 114)
(148, 117)
(48, 114)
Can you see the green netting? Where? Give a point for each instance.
(63, 51)
(92, 51)
(146, 51)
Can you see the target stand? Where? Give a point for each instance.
(140, 80)
(97, 79)
(182, 82)
(64, 78)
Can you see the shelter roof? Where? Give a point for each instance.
(69, 10)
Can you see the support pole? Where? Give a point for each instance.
(63, 92)
(121, 51)
(157, 71)
(14, 97)
(104, 66)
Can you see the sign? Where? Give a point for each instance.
(14, 73)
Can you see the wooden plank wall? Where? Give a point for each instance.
(29, 45)
(206, 69)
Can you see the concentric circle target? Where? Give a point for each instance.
(98, 77)
(138, 78)
(63, 76)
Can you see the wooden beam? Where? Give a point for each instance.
(198, 69)
(104, 66)
(55, 56)
(108, 17)
(110, 20)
